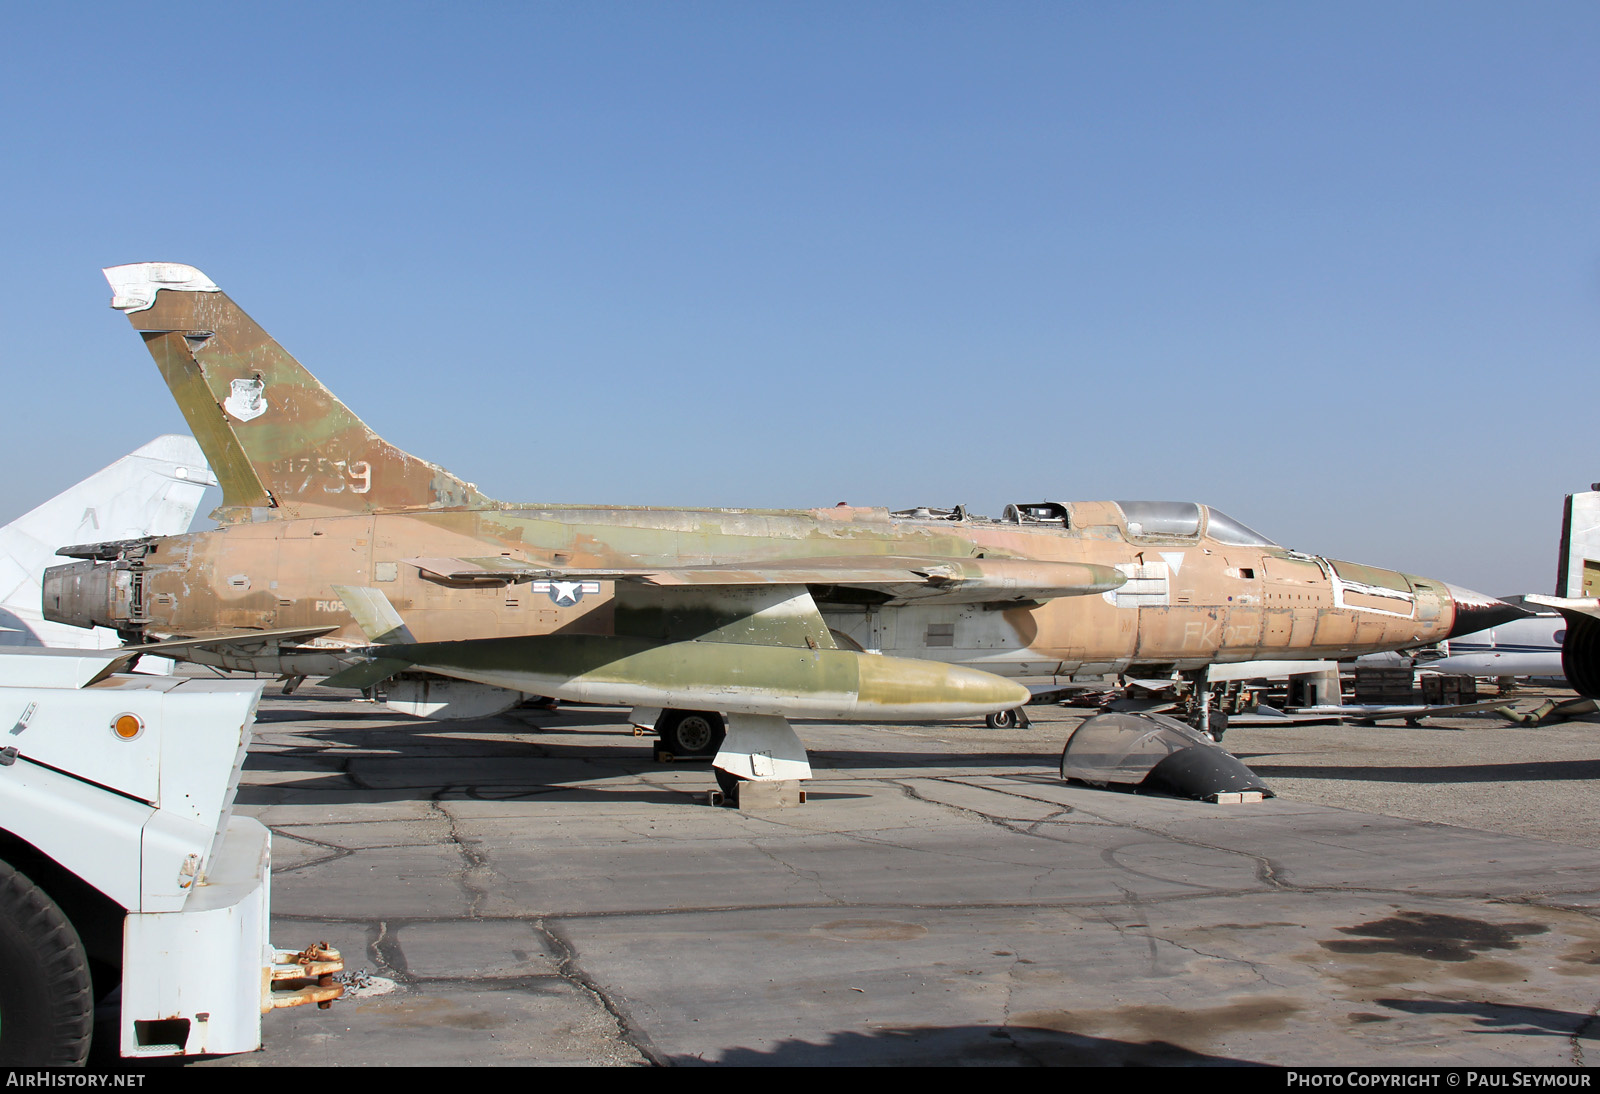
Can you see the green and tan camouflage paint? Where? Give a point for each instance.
(313, 498)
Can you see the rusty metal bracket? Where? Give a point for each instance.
(304, 977)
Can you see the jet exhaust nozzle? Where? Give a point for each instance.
(87, 594)
(1478, 612)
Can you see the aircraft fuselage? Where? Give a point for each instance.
(1189, 600)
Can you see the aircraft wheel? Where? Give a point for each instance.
(728, 783)
(691, 732)
(46, 999)
(1007, 719)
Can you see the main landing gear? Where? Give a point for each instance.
(757, 759)
(691, 733)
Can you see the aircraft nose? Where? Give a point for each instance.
(1477, 612)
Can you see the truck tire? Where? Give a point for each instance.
(46, 999)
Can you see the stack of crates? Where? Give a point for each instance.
(1383, 686)
(1441, 690)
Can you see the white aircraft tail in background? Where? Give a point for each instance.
(152, 491)
(1522, 647)
(1563, 638)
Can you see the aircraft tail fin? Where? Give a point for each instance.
(282, 445)
(152, 491)
(1578, 591)
(1578, 565)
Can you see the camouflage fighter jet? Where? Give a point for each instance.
(340, 555)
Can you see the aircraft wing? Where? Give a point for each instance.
(898, 578)
(1353, 712)
(1403, 710)
(1265, 715)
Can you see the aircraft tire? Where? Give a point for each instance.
(1007, 719)
(728, 783)
(1580, 656)
(46, 997)
(691, 732)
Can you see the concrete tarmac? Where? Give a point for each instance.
(533, 889)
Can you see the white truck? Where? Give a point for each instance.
(121, 863)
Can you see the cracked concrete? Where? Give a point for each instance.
(541, 892)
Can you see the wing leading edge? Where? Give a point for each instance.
(901, 579)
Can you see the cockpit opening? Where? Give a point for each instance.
(1036, 512)
(928, 512)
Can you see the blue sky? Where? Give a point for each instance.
(1333, 268)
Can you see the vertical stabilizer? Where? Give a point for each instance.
(152, 491)
(1578, 571)
(1578, 591)
(282, 445)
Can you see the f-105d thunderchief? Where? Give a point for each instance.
(340, 555)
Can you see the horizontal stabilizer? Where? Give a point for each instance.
(1568, 606)
(237, 641)
(233, 640)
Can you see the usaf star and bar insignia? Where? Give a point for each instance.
(566, 592)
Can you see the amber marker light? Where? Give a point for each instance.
(127, 727)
